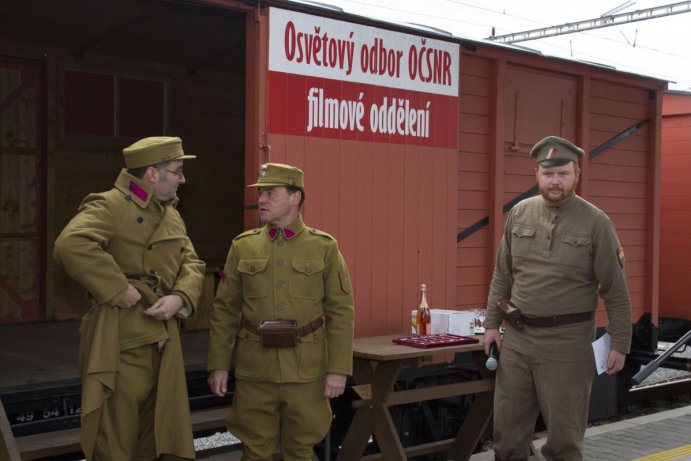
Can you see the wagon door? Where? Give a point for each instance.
(21, 191)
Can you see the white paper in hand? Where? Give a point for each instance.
(601, 348)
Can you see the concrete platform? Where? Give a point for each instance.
(663, 436)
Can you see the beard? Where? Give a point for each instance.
(556, 194)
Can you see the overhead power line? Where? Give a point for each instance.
(597, 23)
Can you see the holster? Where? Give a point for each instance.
(278, 333)
(511, 314)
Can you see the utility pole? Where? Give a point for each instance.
(597, 23)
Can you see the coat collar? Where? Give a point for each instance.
(136, 190)
(289, 232)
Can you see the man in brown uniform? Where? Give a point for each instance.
(129, 248)
(284, 270)
(558, 253)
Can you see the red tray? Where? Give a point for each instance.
(434, 340)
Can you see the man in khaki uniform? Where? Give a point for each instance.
(558, 253)
(287, 271)
(129, 248)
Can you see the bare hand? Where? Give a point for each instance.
(492, 335)
(165, 307)
(334, 385)
(218, 382)
(615, 362)
(132, 297)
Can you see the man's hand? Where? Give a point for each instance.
(492, 335)
(615, 362)
(132, 297)
(165, 307)
(334, 385)
(218, 382)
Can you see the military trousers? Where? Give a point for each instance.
(126, 431)
(264, 416)
(526, 386)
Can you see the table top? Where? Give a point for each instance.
(381, 348)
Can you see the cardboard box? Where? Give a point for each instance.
(448, 321)
(453, 322)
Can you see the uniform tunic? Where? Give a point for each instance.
(120, 237)
(557, 259)
(554, 260)
(292, 273)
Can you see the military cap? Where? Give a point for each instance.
(153, 150)
(278, 174)
(555, 151)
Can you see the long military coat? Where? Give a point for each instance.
(125, 236)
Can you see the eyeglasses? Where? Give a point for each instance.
(179, 173)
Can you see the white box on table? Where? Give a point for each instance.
(448, 321)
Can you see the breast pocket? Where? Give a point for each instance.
(255, 282)
(522, 237)
(307, 278)
(576, 251)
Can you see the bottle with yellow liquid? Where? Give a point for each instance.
(424, 316)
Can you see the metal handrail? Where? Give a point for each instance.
(644, 372)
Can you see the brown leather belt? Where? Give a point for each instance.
(557, 320)
(313, 326)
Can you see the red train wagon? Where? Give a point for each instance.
(427, 144)
(415, 143)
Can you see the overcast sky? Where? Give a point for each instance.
(658, 47)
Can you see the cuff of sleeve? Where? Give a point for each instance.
(185, 311)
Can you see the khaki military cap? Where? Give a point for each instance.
(153, 150)
(555, 151)
(278, 174)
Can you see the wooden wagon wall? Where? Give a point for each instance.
(675, 207)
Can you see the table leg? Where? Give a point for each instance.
(374, 418)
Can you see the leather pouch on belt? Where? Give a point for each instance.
(511, 314)
(278, 333)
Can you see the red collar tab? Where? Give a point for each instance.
(273, 233)
(137, 190)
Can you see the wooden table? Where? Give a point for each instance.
(377, 363)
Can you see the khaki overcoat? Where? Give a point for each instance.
(120, 237)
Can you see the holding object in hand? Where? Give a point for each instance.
(492, 362)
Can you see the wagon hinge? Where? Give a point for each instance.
(530, 192)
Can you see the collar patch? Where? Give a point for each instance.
(138, 191)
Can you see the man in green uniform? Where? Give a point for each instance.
(129, 248)
(283, 379)
(557, 255)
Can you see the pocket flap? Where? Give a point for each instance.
(575, 240)
(520, 231)
(308, 266)
(252, 265)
